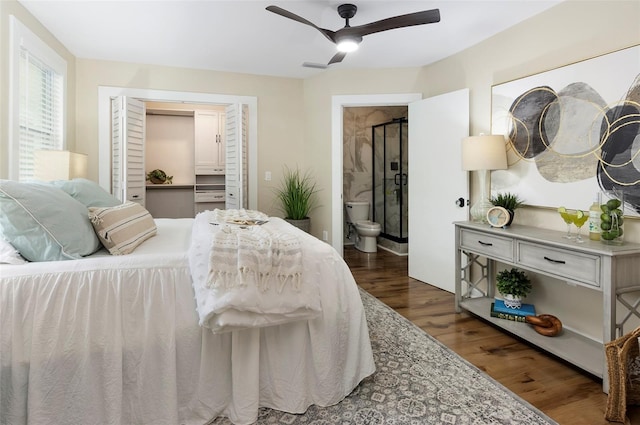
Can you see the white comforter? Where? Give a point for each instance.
(116, 340)
(253, 276)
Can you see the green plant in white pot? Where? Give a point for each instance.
(297, 196)
(514, 285)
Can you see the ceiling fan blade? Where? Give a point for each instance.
(337, 57)
(401, 21)
(282, 12)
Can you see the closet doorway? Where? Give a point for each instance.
(105, 94)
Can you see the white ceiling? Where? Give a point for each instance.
(241, 36)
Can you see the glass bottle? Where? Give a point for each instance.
(594, 218)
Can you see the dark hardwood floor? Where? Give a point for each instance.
(566, 394)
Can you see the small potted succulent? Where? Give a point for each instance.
(514, 285)
(158, 176)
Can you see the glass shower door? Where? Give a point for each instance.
(391, 179)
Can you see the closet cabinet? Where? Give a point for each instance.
(209, 142)
(203, 149)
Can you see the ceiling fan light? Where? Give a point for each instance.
(347, 45)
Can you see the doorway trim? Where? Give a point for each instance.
(105, 93)
(338, 103)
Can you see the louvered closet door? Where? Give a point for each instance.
(244, 174)
(128, 133)
(233, 157)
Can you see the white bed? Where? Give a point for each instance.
(115, 340)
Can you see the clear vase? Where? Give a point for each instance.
(612, 217)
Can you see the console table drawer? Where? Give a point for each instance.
(487, 245)
(570, 265)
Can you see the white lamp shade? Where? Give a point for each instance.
(59, 165)
(484, 153)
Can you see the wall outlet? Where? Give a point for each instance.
(267, 176)
(325, 235)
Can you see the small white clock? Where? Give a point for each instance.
(498, 216)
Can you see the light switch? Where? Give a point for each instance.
(267, 176)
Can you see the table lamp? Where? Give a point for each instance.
(483, 153)
(52, 165)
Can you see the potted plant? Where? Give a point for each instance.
(158, 176)
(509, 201)
(514, 285)
(297, 195)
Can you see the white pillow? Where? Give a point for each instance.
(9, 255)
(123, 227)
(44, 223)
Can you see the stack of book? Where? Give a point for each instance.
(501, 311)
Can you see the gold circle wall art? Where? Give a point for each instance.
(572, 131)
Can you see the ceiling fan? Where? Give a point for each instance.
(348, 38)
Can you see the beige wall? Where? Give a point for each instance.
(569, 32)
(12, 7)
(280, 115)
(294, 116)
(318, 92)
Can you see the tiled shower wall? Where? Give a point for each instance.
(357, 149)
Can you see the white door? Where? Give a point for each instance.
(233, 157)
(128, 175)
(436, 128)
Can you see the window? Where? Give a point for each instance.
(38, 78)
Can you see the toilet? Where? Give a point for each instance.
(366, 232)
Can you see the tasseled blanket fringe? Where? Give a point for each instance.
(227, 280)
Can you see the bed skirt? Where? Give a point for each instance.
(116, 341)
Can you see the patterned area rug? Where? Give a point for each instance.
(417, 381)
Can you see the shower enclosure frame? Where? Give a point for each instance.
(400, 179)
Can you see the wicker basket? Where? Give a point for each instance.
(623, 363)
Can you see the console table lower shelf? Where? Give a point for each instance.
(568, 345)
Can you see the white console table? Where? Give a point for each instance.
(610, 270)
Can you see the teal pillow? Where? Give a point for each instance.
(44, 223)
(87, 192)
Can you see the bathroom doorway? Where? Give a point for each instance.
(339, 152)
(390, 182)
(360, 162)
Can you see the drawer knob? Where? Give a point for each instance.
(555, 261)
(485, 243)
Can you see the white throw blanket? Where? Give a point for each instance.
(247, 274)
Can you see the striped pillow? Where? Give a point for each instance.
(123, 227)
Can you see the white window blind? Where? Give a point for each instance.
(38, 82)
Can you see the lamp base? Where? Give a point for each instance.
(479, 211)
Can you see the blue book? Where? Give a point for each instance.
(524, 310)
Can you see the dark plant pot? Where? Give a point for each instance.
(156, 180)
(303, 224)
(512, 215)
